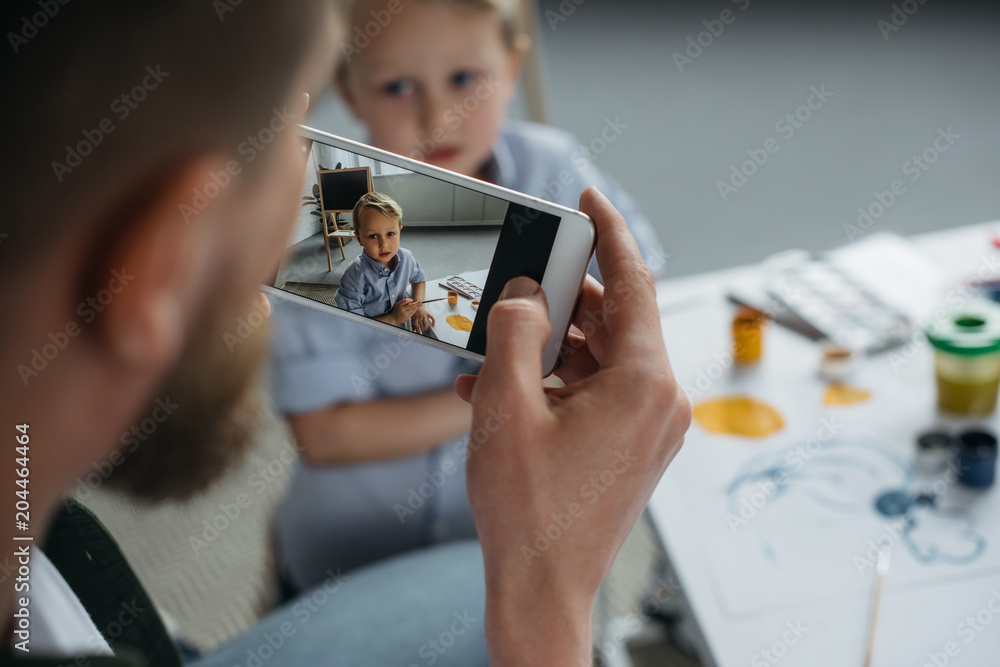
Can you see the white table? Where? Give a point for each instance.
(919, 618)
(442, 309)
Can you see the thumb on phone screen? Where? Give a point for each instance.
(517, 330)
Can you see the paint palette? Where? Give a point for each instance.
(463, 287)
(829, 300)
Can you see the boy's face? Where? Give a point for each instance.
(434, 84)
(378, 234)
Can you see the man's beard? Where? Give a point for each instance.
(214, 400)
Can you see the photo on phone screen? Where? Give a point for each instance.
(409, 250)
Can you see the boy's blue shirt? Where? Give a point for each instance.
(371, 289)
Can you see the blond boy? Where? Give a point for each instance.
(376, 282)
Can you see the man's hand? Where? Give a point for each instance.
(558, 476)
(422, 320)
(404, 310)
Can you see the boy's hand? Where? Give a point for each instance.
(404, 310)
(422, 320)
(549, 519)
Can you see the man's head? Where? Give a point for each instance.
(378, 221)
(432, 79)
(154, 140)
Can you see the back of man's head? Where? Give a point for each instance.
(103, 96)
(118, 114)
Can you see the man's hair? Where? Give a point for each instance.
(509, 13)
(104, 97)
(377, 201)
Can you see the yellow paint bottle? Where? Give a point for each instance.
(748, 335)
(967, 359)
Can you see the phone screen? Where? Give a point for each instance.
(418, 252)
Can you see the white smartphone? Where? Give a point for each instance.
(460, 240)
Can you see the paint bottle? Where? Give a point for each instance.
(976, 459)
(967, 358)
(837, 362)
(452, 297)
(933, 451)
(748, 335)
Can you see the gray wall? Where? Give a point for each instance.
(430, 202)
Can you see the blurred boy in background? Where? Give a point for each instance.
(433, 84)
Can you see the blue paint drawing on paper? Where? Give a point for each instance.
(853, 476)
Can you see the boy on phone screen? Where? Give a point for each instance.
(375, 283)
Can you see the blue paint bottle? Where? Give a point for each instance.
(976, 459)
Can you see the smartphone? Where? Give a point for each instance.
(460, 240)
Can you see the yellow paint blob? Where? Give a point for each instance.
(459, 322)
(738, 415)
(839, 393)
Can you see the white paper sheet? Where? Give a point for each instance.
(816, 536)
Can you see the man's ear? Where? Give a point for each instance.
(161, 255)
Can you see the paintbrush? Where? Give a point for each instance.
(433, 300)
(881, 570)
